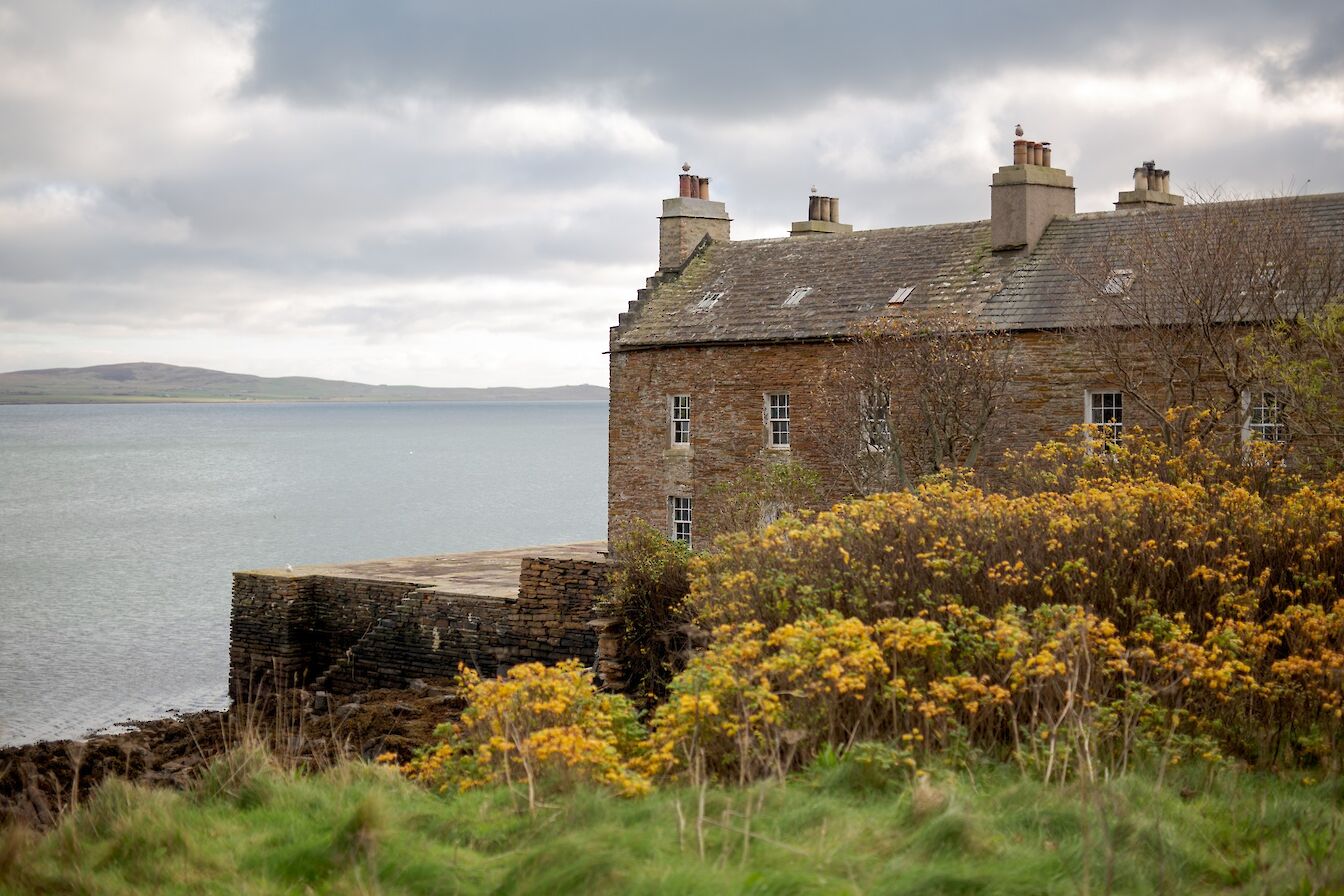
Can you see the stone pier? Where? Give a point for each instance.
(380, 623)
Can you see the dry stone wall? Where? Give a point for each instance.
(344, 634)
(551, 620)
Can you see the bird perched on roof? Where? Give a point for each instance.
(1018, 131)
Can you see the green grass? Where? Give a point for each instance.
(252, 828)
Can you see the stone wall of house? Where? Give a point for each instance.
(348, 634)
(728, 387)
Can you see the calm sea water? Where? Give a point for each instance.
(120, 526)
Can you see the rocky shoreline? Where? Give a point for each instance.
(40, 781)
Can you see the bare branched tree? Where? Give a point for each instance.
(1301, 364)
(914, 396)
(1177, 300)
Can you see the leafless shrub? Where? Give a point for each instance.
(1176, 302)
(914, 396)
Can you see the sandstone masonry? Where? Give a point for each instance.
(345, 633)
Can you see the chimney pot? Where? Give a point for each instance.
(824, 208)
(1019, 152)
(1152, 188)
(683, 224)
(1025, 198)
(814, 208)
(835, 211)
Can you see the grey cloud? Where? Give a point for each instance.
(1319, 57)
(704, 58)
(335, 181)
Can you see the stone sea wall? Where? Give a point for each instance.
(344, 634)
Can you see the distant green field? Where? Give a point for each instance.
(165, 382)
(987, 829)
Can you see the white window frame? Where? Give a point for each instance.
(1111, 432)
(680, 512)
(778, 425)
(875, 419)
(1255, 427)
(679, 420)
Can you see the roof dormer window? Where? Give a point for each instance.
(709, 300)
(900, 295)
(797, 295)
(1117, 281)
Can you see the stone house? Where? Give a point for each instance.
(728, 356)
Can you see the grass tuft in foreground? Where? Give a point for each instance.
(839, 827)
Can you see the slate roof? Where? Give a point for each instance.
(1046, 291)
(739, 292)
(851, 278)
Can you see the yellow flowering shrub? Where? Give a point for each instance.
(1119, 545)
(1064, 691)
(755, 703)
(538, 725)
(1060, 689)
(1116, 605)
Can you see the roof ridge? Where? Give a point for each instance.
(1179, 209)
(817, 237)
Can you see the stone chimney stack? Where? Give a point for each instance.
(823, 216)
(688, 218)
(1026, 196)
(1152, 189)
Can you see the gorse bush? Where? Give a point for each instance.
(1116, 606)
(1061, 691)
(757, 703)
(1120, 546)
(539, 725)
(1086, 456)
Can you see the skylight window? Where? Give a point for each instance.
(1117, 281)
(797, 295)
(900, 295)
(709, 301)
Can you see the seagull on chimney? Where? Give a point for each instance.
(1018, 131)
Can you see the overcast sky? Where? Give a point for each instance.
(447, 193)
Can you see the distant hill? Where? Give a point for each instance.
(144, 382)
